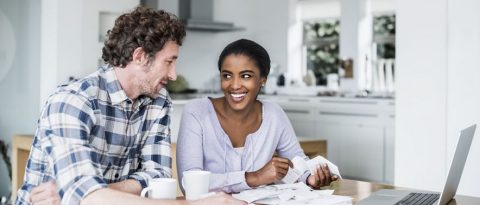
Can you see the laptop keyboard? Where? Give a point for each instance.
(419, 199)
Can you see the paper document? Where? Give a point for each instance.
(298, 193)
(301, 165)
(319, 160)
(292, 176)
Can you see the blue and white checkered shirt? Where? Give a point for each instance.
(91, 134)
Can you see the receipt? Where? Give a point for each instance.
(300, 166)
(292, 176)
(319, 160)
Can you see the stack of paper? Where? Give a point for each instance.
(298, 193)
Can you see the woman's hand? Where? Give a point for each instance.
(273, 171)
(321, 177)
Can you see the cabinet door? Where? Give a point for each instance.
(389, 154)
(175, 120)
(361, 152)
(329, 131)
(302, 119)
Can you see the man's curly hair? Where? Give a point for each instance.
(143, 27)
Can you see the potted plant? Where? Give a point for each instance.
(6, 159)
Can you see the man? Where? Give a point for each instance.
(102, 139)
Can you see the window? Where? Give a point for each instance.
(321, 39)
(384, 36)
(383, 71)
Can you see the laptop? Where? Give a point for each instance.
(403, 197)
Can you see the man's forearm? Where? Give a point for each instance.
(131, 186)
(106, 196)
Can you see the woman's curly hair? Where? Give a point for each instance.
(143, 27)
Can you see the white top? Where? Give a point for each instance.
(239, 150)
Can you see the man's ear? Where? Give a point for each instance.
(138, 56)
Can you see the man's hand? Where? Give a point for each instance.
(220, 198)
(273, 171)
(46, 193)
(321, 177)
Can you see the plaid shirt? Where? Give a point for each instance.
(91, 134)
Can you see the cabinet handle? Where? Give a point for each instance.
(297, 111)
(298, 100)
(350, 102)
(349, 114)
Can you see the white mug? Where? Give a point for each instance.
(196, 184)
(161, 188)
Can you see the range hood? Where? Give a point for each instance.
(198, 16)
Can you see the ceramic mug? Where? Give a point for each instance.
(196, 184)
(161, 188)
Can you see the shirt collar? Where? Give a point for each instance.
(115, 92)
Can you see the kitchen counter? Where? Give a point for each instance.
(184, 98)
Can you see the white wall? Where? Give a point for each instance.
(70, 39)
(421, 105)
(355, 40)
(463, 104)
(437, 90)
(265, 22)
(19, 91)
(320, 9)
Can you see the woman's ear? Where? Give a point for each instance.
(263, 81)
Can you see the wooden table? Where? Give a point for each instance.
(356, 189)
(359, 190)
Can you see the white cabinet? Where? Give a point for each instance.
(175, 118)
(359, 132)
(301, 112)
(361, 152)
(389, 153)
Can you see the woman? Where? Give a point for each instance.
(235, 136)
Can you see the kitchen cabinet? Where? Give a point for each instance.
(175, 117)
(301, 112)
(359, 132)
(361, 152)
(389, 153)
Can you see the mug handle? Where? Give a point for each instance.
(183, 184)
(144, 191)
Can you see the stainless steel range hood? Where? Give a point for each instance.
(198, 16)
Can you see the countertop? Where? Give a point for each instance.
(184, 98)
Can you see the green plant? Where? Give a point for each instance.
(178, 86)
(3, 152)
(384, 25)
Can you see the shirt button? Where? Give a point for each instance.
(117, 175)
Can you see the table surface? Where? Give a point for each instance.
(359, 190)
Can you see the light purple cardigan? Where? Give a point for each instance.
(203, 145)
